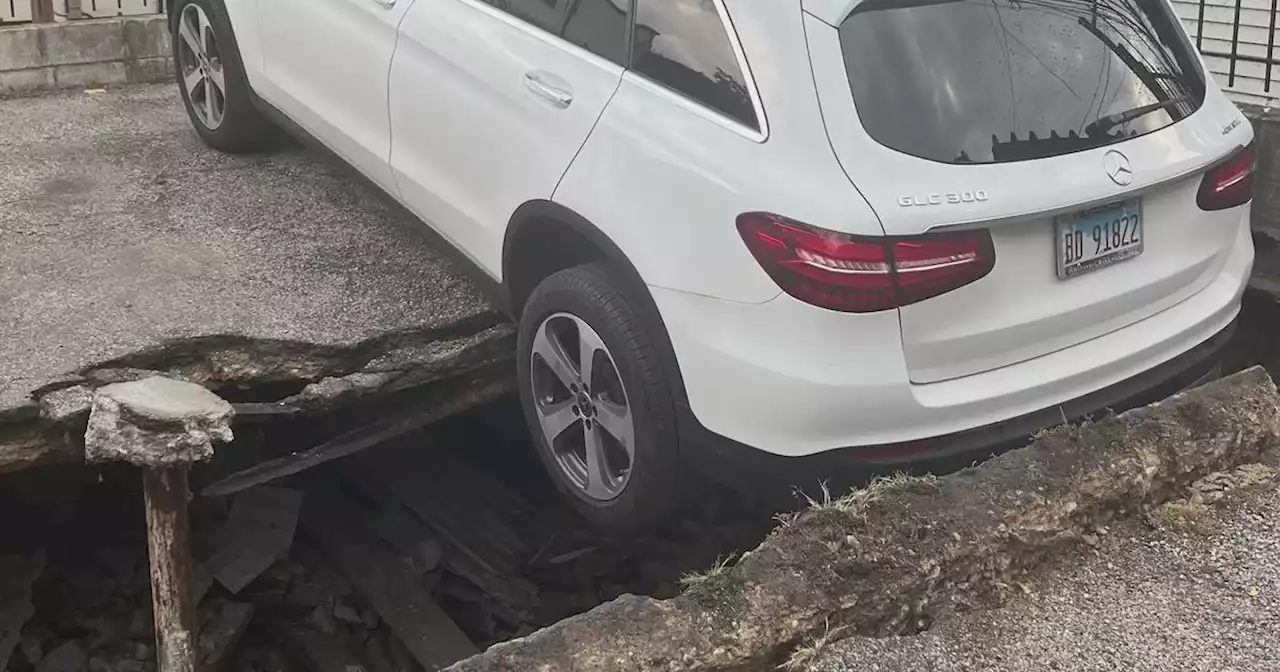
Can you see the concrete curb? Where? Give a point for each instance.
(893, 557)
(84, 54)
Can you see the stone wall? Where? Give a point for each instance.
(84, 54)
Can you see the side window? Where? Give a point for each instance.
(682, 44)
(599, 26)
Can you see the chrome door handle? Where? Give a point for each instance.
(556, 93)
(385, 4)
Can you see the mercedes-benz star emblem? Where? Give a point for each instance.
(1118, 168)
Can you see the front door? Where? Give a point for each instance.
(325, 66)
(491, 102)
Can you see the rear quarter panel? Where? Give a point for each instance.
(666, 181)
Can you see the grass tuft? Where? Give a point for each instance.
(718, 568)
(807, 653)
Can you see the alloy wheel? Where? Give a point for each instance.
(582, 407)
(201, 66)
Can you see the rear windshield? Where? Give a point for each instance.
(989, 81)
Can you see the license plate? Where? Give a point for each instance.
(1098, 237)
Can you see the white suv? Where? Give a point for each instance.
(825, 234)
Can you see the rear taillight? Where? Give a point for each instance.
(863, 274)
(1228, 184)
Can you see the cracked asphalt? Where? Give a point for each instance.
(1148, 601)
(120, 232)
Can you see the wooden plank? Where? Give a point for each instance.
(382, 431)
(334, 524)
(258, 532)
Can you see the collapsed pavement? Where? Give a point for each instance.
(282, 282)
(896, 556)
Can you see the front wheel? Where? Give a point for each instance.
(597, 400)
(212, 81)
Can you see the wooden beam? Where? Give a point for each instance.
(384, 581)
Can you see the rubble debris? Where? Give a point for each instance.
(17, 573)
(224, 625)
(68, 657)
(894, 557)
(376, 433)
(258, 532)
(156, 422)
(163, 426)
(389, 587)
(317, 651)
(67, 405)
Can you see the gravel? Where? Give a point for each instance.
(1144, 601)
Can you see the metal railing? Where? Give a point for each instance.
(1234, 57)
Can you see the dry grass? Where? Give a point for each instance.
(718, 568)
(858, 501)
(809, 652)
(1185, 516)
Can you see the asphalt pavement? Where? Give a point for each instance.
(120, 232)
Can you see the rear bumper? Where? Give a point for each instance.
(789, 380)
(842, 468)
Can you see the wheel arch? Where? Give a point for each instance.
(575, 240)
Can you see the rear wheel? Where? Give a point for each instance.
(597, 400)
(211, 78)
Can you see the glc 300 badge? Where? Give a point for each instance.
(941, 199)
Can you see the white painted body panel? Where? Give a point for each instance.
(793, 380)
(444, 121)
(1022, 309)
(325, 64)
(473, 142)
(670, 176)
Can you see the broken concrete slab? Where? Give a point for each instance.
(894, 557)
(230, 272)
(156, 422)
(1146, 599)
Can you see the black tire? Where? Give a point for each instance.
(243, 130)
(593, 293)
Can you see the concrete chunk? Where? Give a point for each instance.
(68, 657)
(156, 422)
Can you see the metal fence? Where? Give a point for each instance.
(48, 11)
(1234, 56)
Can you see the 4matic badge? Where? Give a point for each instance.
(974, 196)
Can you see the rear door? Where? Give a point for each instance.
(325, 65)
(1014, 116)
(491, 102)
